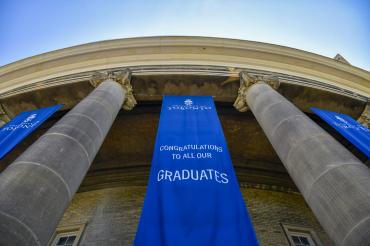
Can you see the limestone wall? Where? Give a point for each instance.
(112, 215)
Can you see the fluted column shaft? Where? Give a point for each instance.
(38, 186)
(335, 184)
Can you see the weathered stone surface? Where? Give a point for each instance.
(25, 219)
(4, 118)
(151, 88)
(36, 188)
(334, 183)
(247, 80)
(364, 118)
(112, 215)
(123, 77)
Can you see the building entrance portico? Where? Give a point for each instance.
(301, 154)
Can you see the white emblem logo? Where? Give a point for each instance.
(30, 118)
(27, 123)
(188, 102)
(188, 105)
(348, 125)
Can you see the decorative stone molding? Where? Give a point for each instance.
(364, 118)
(270, 187)
(122, 77)
(246, 81)
(33, 73)
(159, 69)
(341, 59)
(4, 118)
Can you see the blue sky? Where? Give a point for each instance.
(325, 27)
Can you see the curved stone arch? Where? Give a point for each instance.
(229, 54)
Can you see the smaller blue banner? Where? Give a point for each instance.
(21, 126)
(356, 133)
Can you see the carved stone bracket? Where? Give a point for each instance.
(124, 79)
(364, 118)
(4, 118)
(246, 81)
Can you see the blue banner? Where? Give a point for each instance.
(21, 126)
(356, 133)
(193, 196)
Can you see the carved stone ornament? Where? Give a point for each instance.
(364, 118)
(4, 118)
(246, 81)
(124, 79)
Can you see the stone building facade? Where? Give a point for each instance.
(84, 172)
(111, 215)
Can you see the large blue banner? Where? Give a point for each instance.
(193, 196)
(21, 126)
(356, 133)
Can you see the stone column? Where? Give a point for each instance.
(38, 186)
(334, 183)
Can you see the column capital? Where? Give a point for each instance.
(246, 81)
(4, 118)
(122, 77)
(364, 118)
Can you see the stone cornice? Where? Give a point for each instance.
(246, 81)
(198, 51)
(182, 70)
(122, 77)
